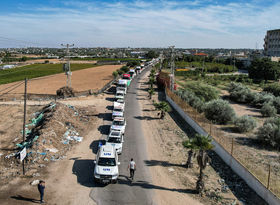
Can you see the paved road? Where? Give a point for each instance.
(140, 191)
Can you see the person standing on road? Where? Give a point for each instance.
(41, 189)
(132, 168)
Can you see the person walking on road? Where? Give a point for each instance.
(132, 168)
(41, 189)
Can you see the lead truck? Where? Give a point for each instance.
(106, 169)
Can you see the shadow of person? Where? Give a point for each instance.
(22, 198)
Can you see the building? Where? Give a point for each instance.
(272, 43)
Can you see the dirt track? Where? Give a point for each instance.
(91, 78)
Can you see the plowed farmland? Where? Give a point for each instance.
(91, 78)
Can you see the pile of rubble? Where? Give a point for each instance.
(65, 92)
(50, 133)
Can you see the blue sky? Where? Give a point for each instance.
(137, 23)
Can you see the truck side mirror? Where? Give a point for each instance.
(118, 163)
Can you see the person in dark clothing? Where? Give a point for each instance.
(41, 189)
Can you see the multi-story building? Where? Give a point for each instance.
(272, 43)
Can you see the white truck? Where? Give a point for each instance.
(122, 85)
(120, 94)
(115, 139)
(106, 168)
(118, 110)
(118, 124)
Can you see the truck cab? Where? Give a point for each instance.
(106, 168)
(115, 139)
(132, 73)
(118, 110)
(120, 94)
(118, 124)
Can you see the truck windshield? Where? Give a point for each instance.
(114, 140)
(120, 94)
(115, 133)
(106, 161)
(117, 110)
(118, 122)
(121, 85)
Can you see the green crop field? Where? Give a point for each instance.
(36, 70)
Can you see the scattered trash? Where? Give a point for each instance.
(35, 182)
(1, 154)
(36, 175)
(171, 169)
(54, 150)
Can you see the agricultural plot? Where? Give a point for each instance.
(84, 77)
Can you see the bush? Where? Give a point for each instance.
(115, 74)
(124, 69)
(269, 133)
(191, 99)
(203, 91)
(219, 111)
(273, 88)
(245, 123)
(268, 110)
(276, 104)
(240, 93)
(261, 98)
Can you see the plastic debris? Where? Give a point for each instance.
(171, 169)
(35, 182)
(54, 150)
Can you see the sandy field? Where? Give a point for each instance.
(86, 79)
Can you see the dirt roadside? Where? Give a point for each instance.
(68, 181)
(159, 146)
(168, 157)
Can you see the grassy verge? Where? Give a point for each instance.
(36, 70)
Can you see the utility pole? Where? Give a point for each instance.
(68, 69)
(24, 119)
(172, 67)
(161, 60)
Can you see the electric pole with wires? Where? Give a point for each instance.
(66, 67)
(172, 67)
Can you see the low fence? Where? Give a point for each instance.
(225, 147)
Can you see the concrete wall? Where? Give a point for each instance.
(237, 167)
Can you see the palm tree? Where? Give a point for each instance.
(152, 81)
(163, 107)
(151, 91)
(200, 143)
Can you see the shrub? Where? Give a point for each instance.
(273, 88)
(262, 98)
(269, 133)
(191, 99)
(124, 69)
(268, 110)
(203, 91)
(245, 123)
(120, 71)
(219, 111)
(240, 93)
(115, 74)
(276, 104)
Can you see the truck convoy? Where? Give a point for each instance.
(106, 164)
